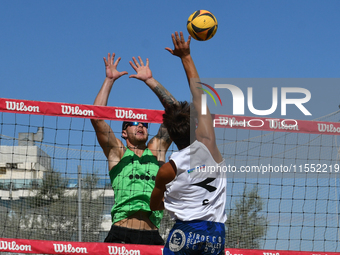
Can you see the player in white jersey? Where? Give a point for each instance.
(192, 185)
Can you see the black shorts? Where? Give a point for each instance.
(133, 236)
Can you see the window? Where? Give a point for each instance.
(2, 170)
(12, 165)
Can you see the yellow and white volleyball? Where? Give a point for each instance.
(202, 25)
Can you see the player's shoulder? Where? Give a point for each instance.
(167, 172)
(211, 147)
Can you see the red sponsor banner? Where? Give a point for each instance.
(276, 124)
(62, 247)
(80, 110)
(155, 116)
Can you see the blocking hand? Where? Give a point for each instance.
(182, 47)
(111, 67)
(143, 71)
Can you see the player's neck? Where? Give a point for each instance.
(137, 149)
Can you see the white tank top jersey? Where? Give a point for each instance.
(195, 193)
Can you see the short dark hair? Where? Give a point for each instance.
(125, 125)
(180, 121)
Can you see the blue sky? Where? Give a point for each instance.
(53, 50)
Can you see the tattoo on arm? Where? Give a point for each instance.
(162, 135)
(164, 95)
(166, 99)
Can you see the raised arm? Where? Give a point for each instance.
(160, 142)
(112, 147)
(205, 131)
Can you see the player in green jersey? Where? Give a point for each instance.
(133, 167)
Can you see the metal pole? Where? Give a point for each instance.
(79, 204)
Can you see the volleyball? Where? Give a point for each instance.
(202, 25)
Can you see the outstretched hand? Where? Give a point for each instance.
(143, 71)
(111, 67)
(182, 47)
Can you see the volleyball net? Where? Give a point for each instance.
(56, 196)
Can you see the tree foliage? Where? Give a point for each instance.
(246, 226)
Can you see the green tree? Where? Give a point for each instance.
(246, 226)
(52, 188)
(92, 209)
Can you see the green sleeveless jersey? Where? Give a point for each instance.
(133, 180)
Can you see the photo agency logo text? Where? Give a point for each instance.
(239, 100)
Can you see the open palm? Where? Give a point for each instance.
(143, 71)
(111, 67)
